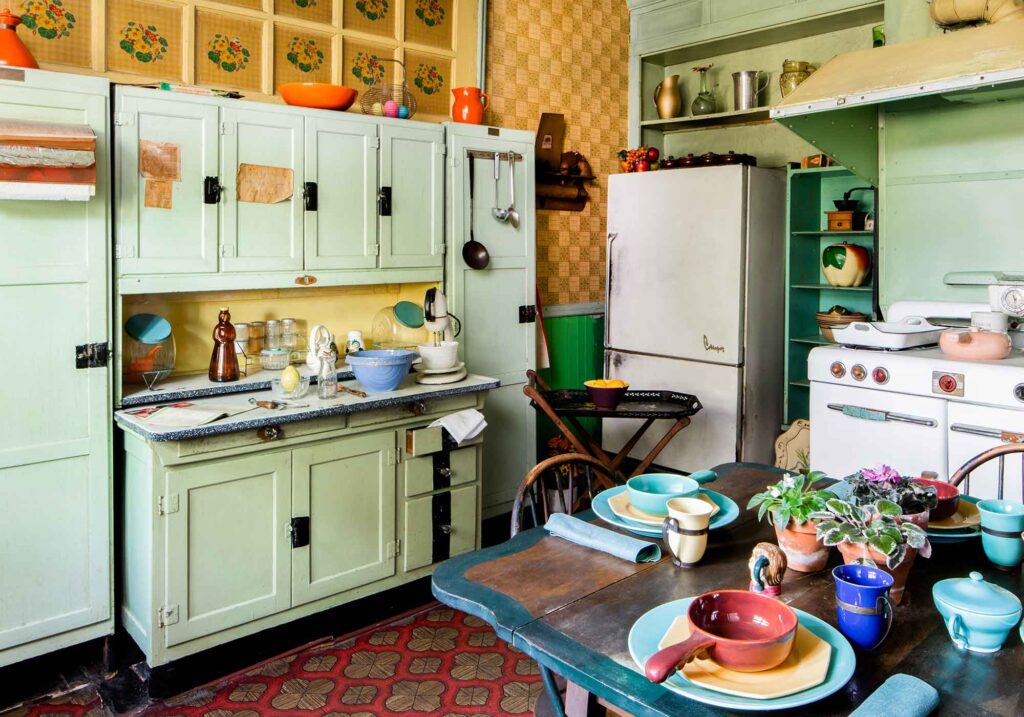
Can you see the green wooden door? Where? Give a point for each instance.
(412, 165)
(228, 550)
(263, 235)
(152, 237)
(55, 498)
(347, 490)
(341, 158)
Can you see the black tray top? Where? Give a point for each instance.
(634, 404)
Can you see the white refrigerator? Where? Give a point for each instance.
(695, 278)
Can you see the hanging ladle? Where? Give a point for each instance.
(511, 213)
(473, 252)
(497, 212)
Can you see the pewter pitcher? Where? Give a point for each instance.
(747, 87)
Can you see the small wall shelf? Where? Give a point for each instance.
(829, 287)
(837, 235)
(718, 119)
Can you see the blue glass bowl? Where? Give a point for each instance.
(381, 370)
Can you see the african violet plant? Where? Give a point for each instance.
(792, 497)
(876, 525)
(885, 483)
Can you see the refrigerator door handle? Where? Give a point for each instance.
(612, 236)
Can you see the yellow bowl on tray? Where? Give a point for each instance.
(606, 393)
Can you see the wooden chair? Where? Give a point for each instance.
(566, 483)
(963, 473)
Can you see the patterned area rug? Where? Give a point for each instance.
(437, 661)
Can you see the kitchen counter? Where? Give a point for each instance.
(408, 393)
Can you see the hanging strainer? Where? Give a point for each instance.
(383, 99)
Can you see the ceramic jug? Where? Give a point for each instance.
(12, 50)
(668, 97)
(469, 105)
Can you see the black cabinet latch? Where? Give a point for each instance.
(527, 314)
(309, 196)
(92, 355)
(384, 202)
(300, 532)
(211, 190)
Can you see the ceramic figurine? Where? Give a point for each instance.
(223, 362)
(845, 264)
(767, 568)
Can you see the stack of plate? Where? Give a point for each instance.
(437, 376)
(613, 506)
(964, 524)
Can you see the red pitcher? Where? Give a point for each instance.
(12, 50)
(470, 104)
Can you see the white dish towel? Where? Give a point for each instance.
(463, 425)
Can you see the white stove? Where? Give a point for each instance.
(917, 411)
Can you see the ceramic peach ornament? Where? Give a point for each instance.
(12, 50)
(845, 264)
(975, 344)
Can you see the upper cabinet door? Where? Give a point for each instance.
(412, 166)
(261, 172)
(341, 162)
(165, 149)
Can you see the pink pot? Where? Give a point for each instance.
(975, 344)
(804, 552)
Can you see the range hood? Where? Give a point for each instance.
(836, 109)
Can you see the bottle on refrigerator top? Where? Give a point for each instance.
(223, 362)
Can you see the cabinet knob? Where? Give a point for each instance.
(447, 529)
(418, 408)
(305, 280)
(446, 472)
(269, 433)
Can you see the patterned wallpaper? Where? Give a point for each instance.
(570, 57)
(255, 45)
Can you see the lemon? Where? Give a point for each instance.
(290, 379)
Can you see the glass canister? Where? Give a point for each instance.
(272, 338)
(290, 333)
(793, 73)
(257, 331)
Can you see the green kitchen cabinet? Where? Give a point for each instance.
(228, 553)
(181, 237)
(56, 535)
(460, 530)
(341, 163)
(343, 493)
(412, 167)
(260, 236)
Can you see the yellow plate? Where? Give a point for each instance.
(621, 506)
(806, 667)
(966, 516)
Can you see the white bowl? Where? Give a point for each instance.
(439, 357)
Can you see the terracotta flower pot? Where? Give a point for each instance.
(804, 552)
(918, 519)
(899, 574)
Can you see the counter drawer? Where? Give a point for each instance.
(428, 473)
(440, 526)
(427, 407)
(253, 436)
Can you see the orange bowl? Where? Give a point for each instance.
(319, 95)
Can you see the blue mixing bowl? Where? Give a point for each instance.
(381, 370)
(651, 492)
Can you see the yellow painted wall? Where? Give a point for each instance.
(173, 38)
(194, 315)
(569, 57)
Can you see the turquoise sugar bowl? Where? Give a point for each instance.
(979, 615)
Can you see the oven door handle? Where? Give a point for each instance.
(873, 414)
(1004, 436)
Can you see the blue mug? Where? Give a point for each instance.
(1001, 524)
(862, 602)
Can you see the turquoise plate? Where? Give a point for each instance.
(934, 536)
(647, 632)
(728, 511)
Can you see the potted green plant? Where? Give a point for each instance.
(874, 532)
(869, 486)
(790, 502)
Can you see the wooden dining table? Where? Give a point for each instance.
(571, 609)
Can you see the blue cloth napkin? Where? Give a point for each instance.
(899, 696)
(592, 536)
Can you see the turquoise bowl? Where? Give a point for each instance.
(381, 370)
(978, 615)
(652, 491)
(1002, 522)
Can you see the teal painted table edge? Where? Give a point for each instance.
(596, 673)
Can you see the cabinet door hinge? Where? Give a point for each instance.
(92, 355)
(167, 615)
(442, 149)
(167, 504)
(227, 127)
(394, 456)
(124, 118)
(375, 142)
(527, 314)
(376, 249)
(298, 530)
(124, 251)
(394, 549)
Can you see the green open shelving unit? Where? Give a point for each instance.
(809, 195)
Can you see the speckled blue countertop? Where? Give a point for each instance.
(408, 392)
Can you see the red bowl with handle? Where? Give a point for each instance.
(948, 495)
(739, 630)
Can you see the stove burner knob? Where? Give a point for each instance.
(880, 375)
(838, 370)
(1018, 392)
(947, 383)
(858, 372)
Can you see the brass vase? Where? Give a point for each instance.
(668, 97)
